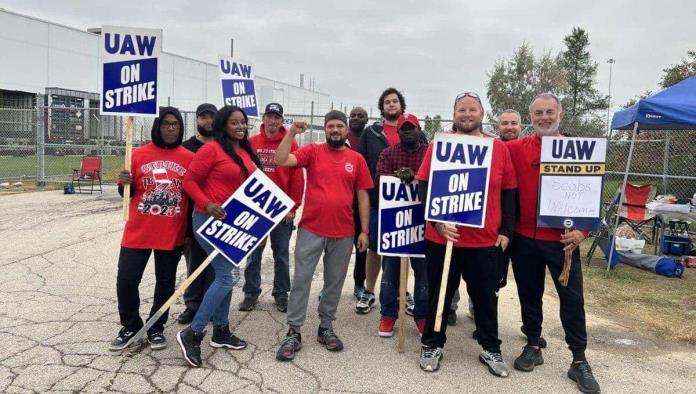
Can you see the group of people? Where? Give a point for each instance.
(335, 181)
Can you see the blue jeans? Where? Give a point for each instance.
(215, 306)
(389, 289)
(280, 244)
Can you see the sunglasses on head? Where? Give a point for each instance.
(467, 94)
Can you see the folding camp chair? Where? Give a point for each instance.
(602, 235)
(633, 210)
(90, 172)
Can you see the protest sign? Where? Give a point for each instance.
(129, 59)
(570, 188)
(401, 224)
(253, 211)
(238, 85)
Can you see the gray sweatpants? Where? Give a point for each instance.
(308, 249)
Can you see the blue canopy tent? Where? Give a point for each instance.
(673, 108)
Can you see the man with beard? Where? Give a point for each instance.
(475, 251)
(289, 180)
(334, 173)
(193, 252)
(537, 248)
(356, 125)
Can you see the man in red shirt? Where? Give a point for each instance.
(291, 181)
(476, 251)
(334, 173)
(537, 248)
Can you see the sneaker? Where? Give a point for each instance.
(386, 327)
(248, 304)
(420, 324)
(452, 318)
(281, 304)
(358, 290)
(328, 338)
(410, 304)
(542, 341)
(529, 358)
(157, 340)
(186, 317)
(430, 358)
(496, 364)
(190, 343)
(290, 345)
(365, 303)
(581, 374)
(118, 344)
(222, 337)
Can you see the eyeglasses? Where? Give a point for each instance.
(168, 125)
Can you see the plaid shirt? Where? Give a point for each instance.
(395, 157)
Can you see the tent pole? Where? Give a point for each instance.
(623, 189)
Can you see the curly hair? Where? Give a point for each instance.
(387, 92)
(220, 130)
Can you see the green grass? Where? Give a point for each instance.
(55, 166)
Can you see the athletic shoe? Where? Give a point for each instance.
(386, 327)
(328, 338)
(190, 343)
(186, 317)
(581, 373)
(290, 345)
(365, 303)
(222, 337)
(157, 340)
(452, 318)
(542, 341)
(410, 304)
(248, 304)
(496, 364)
(420, 324)
(430, 358)
(358, 290)
(118, 344)
(529, 358)
(281, 304)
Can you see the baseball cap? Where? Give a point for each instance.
(274, 108)
(206, 107)
(407, 118)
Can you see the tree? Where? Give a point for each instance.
(432, 125)
(634, 100)
(582, 97)
(676, 73)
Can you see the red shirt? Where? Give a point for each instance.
(353, 140)
(526, 156)
(213, 176)
(157, 214)
(332, 177)
(391, 134)
(502, 178)
(289, 179)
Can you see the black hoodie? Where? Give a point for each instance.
(155, 132)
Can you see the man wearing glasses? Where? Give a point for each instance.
(476, 250)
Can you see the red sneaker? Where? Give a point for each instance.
(386, 327)
(421, 325)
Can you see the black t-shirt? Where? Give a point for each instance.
(192, 144)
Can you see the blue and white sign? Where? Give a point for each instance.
(401, 223)
(253, 211)
(129, 70)
(238, 86)
(459, 177)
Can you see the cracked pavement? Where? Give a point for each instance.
(58, 313)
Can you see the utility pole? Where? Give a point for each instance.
(611, 62)
(231, 47)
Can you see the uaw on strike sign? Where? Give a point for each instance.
(401, 224)
(459, 176)
(129, 70)
(570, 189)
(238, 86)
(253, 211)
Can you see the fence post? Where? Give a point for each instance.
(311, 124)
(665, 163)
(40, 143)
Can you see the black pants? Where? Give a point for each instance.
(480, 269)
(195, 292)
(530, 258)
(360, 257)
(131, 265)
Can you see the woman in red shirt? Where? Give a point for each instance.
(216, 171)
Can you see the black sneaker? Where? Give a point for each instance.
(410, 304)
(281, 304)
(290, 345)
(530, 358)
(157, 340)
(430, 358)
(542, 341)
(452, 319)
(248, 304)
(581, 373)
(328, 338)
(118, 344)
(222, 337)
(190, 343)
(186, 317)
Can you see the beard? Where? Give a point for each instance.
(392, 117)
(548, 130)
(335, 144)
(205, 133)
(467, 127)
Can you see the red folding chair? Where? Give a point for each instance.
(633, 210)
(90, 172)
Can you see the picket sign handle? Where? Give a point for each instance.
(403, 281)
(129, 153)
(567, 261)
(178, 293)
(443, 286)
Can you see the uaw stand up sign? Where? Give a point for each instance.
(570, 188)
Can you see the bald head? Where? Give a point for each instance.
(358, 119)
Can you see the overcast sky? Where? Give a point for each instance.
(429, 50)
